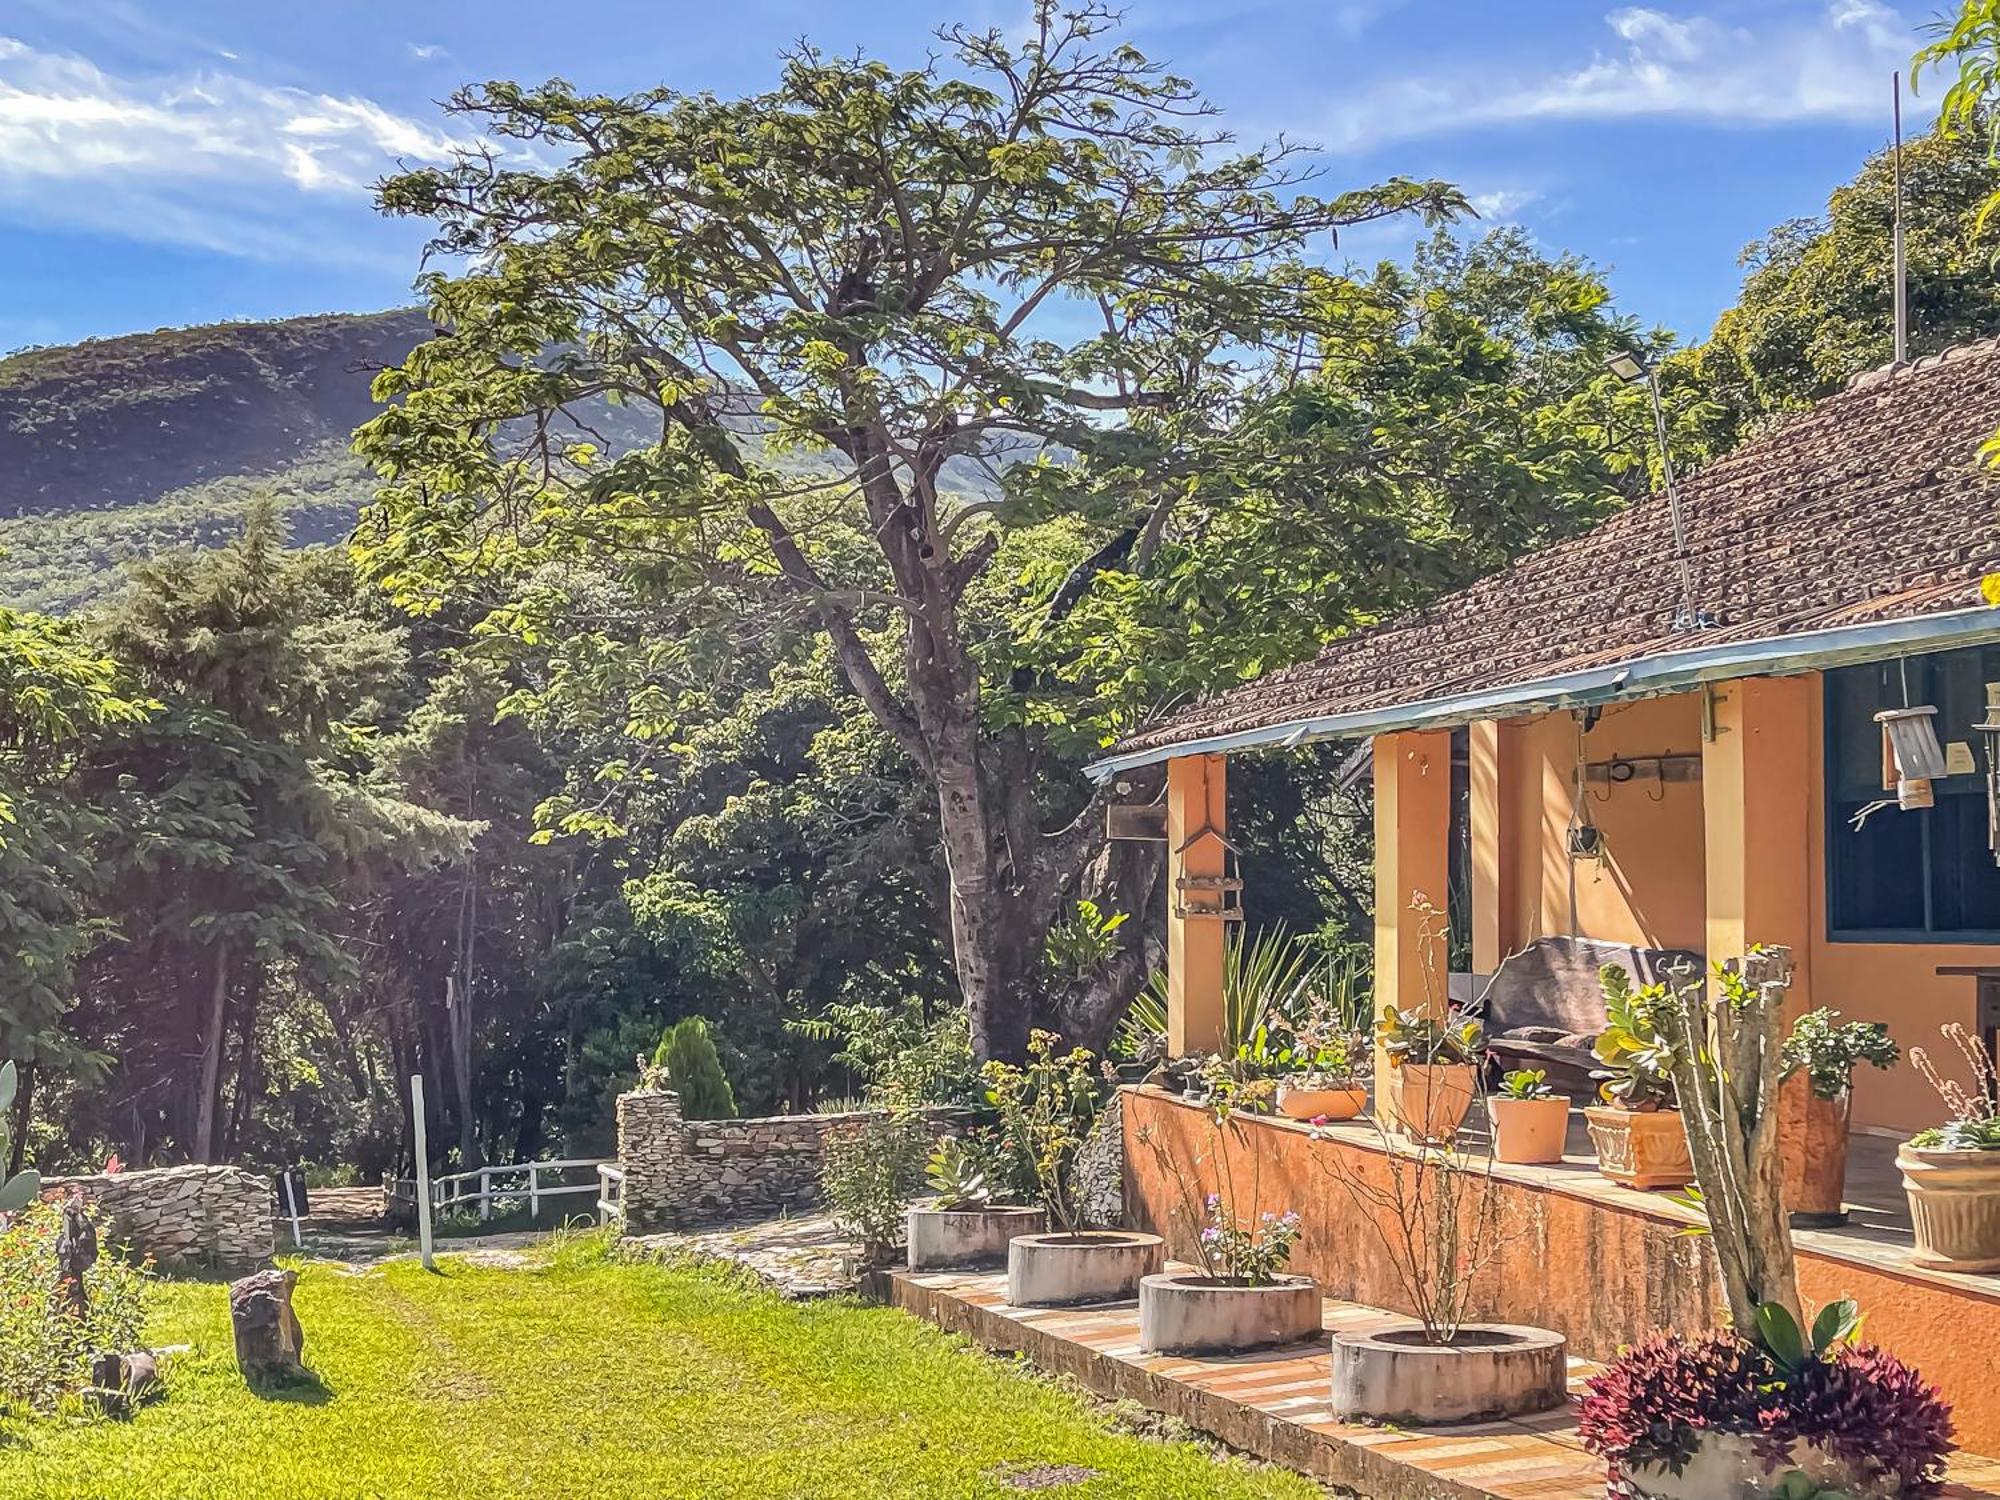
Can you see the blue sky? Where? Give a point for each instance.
(181, 161)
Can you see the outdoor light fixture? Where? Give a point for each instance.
(1629, 366)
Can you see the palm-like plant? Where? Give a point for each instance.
(18, 1191)
(1265, 979)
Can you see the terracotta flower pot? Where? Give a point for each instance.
(1641, 1148)
(1528, 1130)
(1954, 1207)
(1816, 1165)
(1428, 1101)
(1299, 1103)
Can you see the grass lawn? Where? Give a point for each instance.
(580, 1375)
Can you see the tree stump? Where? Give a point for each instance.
(269, 1340)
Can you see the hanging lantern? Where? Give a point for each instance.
(1988, 729)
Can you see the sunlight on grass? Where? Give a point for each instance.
(584, 1376)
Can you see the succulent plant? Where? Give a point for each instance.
(18, 1191)
(1526, 1083)
(1412, 1036)
(1638, 1071)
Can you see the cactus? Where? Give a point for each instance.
(18, 1191)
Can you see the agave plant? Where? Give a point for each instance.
(1264, 979)
(18, 1191)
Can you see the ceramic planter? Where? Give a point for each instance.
(947, 1238)
(1954, 1207)
(1428, 1101)
(1300, 1102)
(1641, 1148)
(1528, 1130)
(1490, 1370)
(1726, 1466)
(1069, 1270)
(1200, 1315)
(1816, 1165)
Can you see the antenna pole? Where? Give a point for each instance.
(1900, 270)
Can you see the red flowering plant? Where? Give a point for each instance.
(1781, 1388)
(47, 1340)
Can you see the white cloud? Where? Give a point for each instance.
(209, 158)
(426, 51)
(1829, 60)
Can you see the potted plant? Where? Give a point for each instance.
(1326, 1067)
(1637, 1129)
(1046, 1110)
(1433, 1070)
(1241, 1298)
(1530, 1119)
(1951, 1172)
(1827, 1052)
(979, 1205)
(1735, 1414)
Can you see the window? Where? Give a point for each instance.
(1909, 875)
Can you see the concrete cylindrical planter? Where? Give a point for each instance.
(1301, 1102)
(1489, 1370)
(1528, 1130)
(1066, 1270)
(1200, 1315)
(1727, 1466)
(1816, 1165)
(944, 1238)
(1429, 1100)
(1954, 1207)
(1642, 1148)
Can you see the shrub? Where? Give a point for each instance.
(1829, 1051)
(871, 1174)
(1859, 1403)
(45, 1348)
(1046, 1112)
(694, 1071)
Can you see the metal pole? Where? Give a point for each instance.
(1901, 270)
(292, 1208)
(1687, 618)
(423, 1171)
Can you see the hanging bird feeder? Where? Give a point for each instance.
(1220, 897)
(1912, 758)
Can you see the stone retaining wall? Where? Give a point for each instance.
(682, 1173)
(193, 1215)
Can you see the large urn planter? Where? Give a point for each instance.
(1528, 1131)
(942, 1239)
(1954, 1207)
(1298, 1102)
(1488, 1371)
(1816, 1168)
(1429, 1101)
(1069, 1270)
(1642, 1148)
(1213, 1315)
(1727, 1466)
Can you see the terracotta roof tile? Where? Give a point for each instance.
(1872, 505)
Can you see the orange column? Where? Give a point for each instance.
(1412, 837)
(1197, 787)
(1756, 801)
(1493, 870)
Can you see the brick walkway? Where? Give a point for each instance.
(1275, 1404)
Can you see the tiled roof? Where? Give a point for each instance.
(1873, 505)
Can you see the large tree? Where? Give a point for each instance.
(1039, 249)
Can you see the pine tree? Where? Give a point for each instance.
(694, 1071)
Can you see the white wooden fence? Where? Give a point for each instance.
(610, 1192)
(522, 1180)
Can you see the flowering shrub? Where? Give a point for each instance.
(1254, 1253)
(1860, 1404)
(45, 1348)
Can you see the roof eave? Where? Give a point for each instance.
(1642, 677)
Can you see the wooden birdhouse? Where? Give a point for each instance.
(1911, 756)
(1211, 897)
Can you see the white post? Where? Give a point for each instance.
(485, 1195)
(423, 1172)
(534, 1195)
(292, 1209)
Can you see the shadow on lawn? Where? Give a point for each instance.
(307, 1390)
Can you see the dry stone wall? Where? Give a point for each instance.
(193, 1215)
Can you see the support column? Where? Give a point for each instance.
(1412, 858)
(1492, 751)
(1197, 787)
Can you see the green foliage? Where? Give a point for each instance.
(19, 1189)
(694, 1071)
(45, 1344)
(977, 1168)
(1638, 1058)
(1266, 980)
(871, 1173)
(1829, 1052)
(1085, 940)
(1047, 1106)
(1791, 1347)
(1526, 1083)
(1413, 1035)
(905, 1057)
(1960, 1135)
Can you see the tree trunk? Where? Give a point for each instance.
(208, 1100)
(24, 1109)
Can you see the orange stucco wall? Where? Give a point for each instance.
(1603, 1266)
(1655, 886)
